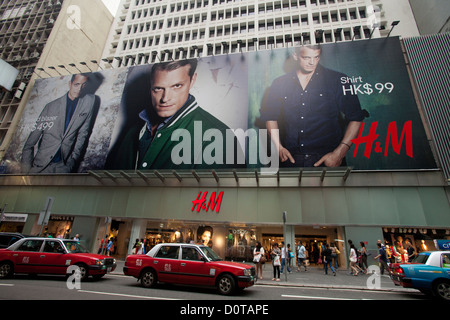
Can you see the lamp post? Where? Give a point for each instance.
(393, 24)
(53, 68)
(108, 62)
(64, 67)
(285, 245)
(119, 59)
(375, 26)
(42, 69)
(95, 62)
(85, 64)
(74, 66)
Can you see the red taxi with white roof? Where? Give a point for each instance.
(189, 264)
(52, 256)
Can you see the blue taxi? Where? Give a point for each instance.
(429, 273)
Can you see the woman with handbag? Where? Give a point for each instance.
(353, 259)
(276, 262)
(259, 258)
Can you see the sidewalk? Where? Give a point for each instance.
(316, 277)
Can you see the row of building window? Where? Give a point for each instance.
(266, 43)
(269, 24)
(196, 4)
(276, 6)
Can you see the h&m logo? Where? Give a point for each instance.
(213, 203)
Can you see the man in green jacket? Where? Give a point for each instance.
(177, 133)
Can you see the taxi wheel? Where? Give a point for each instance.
(226, 284)
(148, 278)
(6, 270)
(84, 274)
(442, 290)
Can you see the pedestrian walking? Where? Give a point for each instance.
(140, 247)
(353, 260)
(301, 256)
(110, 247)
(411, 251)
(334, 255)
(137, 247)
(327, 260)
(382, 258)
(103, 244)
(259, 259)
(363, 254)
(276, 261)
(290, 255)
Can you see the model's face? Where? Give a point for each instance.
(76, 86)
(307, 59)
(170, 90)
(206, 236)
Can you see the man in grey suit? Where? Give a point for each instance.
(61, 132)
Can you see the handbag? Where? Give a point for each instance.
(276, 261)
(263, 259)
(337, 251)
(319, 261)
(291, 255)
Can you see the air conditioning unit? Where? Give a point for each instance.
(34, 55)
(16, 58)
(18, 94)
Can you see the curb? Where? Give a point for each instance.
(342, 287)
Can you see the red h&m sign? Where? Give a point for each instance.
(213, 203)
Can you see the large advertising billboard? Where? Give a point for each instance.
(341, 104)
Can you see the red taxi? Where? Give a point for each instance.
(189, 264)
(52, 256)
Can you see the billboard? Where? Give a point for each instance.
(341, 104)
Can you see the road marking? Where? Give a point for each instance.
(7, 284)
(126, 295)
(118, 275)
(320, 298)
(306, 287)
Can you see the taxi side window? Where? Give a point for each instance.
(446, 260)
(30, 246)
(53, 247)
(168, 252)
(190, 254)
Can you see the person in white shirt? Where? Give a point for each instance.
(258, 259)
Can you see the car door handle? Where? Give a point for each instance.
(15, 255)
(183, 264)
(42, 255)
(155, 262)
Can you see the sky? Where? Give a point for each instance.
(112, 5)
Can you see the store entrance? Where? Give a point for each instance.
(312, 243)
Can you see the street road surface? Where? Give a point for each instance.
(121, 287)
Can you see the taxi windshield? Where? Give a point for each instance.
(75, 247)
(210, 254)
